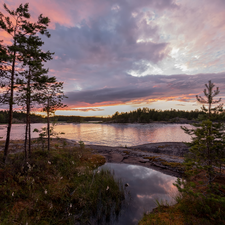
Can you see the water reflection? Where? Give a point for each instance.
(110, 134)
(145, 186)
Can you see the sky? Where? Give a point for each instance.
(119, 55)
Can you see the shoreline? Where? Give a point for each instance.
(165, 157)
(145, 155)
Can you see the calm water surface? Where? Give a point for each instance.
(110, 134)
(145, 187)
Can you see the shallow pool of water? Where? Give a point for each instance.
(145, 187)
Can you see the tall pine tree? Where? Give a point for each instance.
(18, 26)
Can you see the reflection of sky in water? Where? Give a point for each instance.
(145, 186)
(110, 134)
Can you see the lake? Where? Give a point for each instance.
(146, 186)
(110, 134)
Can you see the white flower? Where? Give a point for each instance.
(72, 162)
(49, 162)
(61, 178)
(107, 188)
(70, 205)
(98, 171)
(13, 194)
(46, 191)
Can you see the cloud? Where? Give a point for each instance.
(87, 109)
(125, 52)
(148, 89)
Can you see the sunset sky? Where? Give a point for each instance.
(119, 55)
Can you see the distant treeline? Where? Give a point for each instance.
(147, 115)
(20, 117)
(144, 115)
(76, 119)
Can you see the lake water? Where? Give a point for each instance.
(145, 187)
(110, 134)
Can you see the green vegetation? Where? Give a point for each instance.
(57, 187)
(202, 192)
(20, 117)
(147, 115)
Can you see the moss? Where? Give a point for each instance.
(173, 164)
(126, 152)
(162, 146)
(151, 158)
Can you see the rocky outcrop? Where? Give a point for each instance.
(165, 157)
(168, 148)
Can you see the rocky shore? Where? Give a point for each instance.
(166, 157)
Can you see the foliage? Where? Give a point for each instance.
(43, 134)
(57, 187)
(208, 139)
(202, 188)
(15, 56)
(147, 115)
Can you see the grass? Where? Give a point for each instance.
(57, 187)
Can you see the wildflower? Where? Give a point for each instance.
(98, 171)
(49, 162)
(26, 223)
(72, 162)
(107, 188)
(12, 194)
(46, 191)
(61, 178)
(70, 205)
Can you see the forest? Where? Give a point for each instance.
(20, 117)
(147, 115)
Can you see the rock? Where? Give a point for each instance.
(116, 157)
(144, 160)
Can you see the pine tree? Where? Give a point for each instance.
(18, 26)
(33, 58)
(51, 98)
(208, 138)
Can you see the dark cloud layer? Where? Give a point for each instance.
(176, 87)
(88, 109)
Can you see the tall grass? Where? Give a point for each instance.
(57, 187)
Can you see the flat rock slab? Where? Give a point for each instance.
(168, 148)
(115, 157)
(144, 155)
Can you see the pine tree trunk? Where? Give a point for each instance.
(28, 113)
(29, 137)
(10, 110)
(48, 126)
(25, 141)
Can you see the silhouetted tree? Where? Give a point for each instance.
(18, 26)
